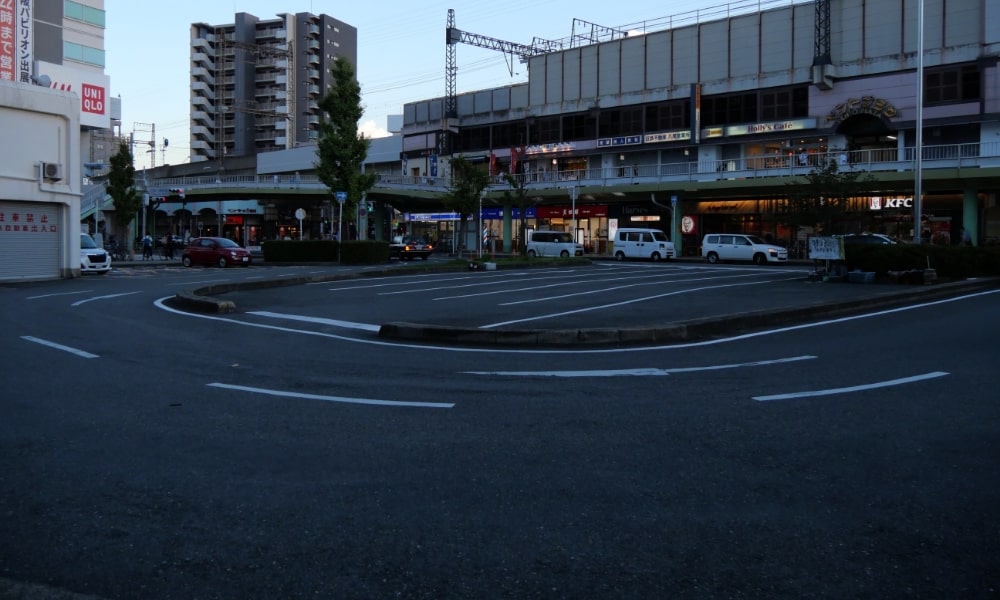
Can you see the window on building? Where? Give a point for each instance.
(954, 84)
(622, 121)
(83, 54)
(666, 116)
(471, 139)
(87, 14)
(546, 131)
(578, 127)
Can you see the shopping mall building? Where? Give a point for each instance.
(698, 124)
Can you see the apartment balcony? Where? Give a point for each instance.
(204, 74)
(269, 76)
(202, 118)
(203, 148)
(203, 133)
(312, 58)
(313, 74)
(312, 29)
(200, 87)
(204, 60)
(204, 44)
(281, 80)
(313, 45)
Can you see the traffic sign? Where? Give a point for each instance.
(341, 197)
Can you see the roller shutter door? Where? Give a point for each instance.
(31, 238)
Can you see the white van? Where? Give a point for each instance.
(738, 246)
(553, 243)
(642, 243)
(93, 259)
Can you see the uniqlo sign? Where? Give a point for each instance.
(93, 99)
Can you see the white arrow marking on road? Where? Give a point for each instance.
(78, 303)
(342, 399)
(638, 372)
(82, 353)
(854, 388)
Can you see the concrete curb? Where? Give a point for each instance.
(685, 331)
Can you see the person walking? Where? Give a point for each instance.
(169, 251)
(147, 247)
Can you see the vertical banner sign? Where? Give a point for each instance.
(8, 41)
(434, 165)
(695, 113)
(24, 31)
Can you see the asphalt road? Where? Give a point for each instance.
(149, 453)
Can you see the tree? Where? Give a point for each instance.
(519, 197)
(463, 196)
(824, 196)
(121, 187)
(341, 150)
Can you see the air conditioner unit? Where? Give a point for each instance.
(52, 171)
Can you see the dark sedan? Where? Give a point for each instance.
(411, 247)
(214, 251)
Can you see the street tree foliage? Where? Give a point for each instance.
(341, 149)
(518, 196)
(121, 187)
(467, 184)
(822, 198)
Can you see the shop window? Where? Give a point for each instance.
(956, 84)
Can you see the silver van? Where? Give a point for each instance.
(553, 243)
(738, 246)
(632, 242)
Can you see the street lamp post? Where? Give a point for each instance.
(573, 192)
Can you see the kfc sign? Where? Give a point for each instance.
(880, 203)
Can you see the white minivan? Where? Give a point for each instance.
(738, 246)
(642, 243)
(553, 243)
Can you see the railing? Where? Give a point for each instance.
(955, 156)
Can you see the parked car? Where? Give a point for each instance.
(642, 243)
(92, 258)
(411, 247)
(738, 246)
(876, 239)
(553, 243)
(214, 251)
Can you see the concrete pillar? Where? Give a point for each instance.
(970, 214)
(508, 238)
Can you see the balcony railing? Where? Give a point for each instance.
(958, 157)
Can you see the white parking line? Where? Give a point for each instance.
(622, 303)
(853, 388)
(79, 302)
(320, 320)
(341, 399)
(640, 372)
(75, 351)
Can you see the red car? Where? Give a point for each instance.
(214, 251)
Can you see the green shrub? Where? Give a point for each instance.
(957, 262)
(300, 250)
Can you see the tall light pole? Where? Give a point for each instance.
(918, 149)
(573, 193)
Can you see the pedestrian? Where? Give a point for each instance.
(966, 238)
(803, 159)
(170, 247)
(147, 247)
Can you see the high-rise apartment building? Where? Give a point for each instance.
(256, 84)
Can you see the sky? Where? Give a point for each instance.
(401, 49)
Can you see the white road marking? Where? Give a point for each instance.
(341, 399)
(79, 302)
(639, 372)
(82, 353)
(59, 294)
(853, 388)
(200, 282)
(320, 320)
(622, 303)
(160, 303)
(622, 287)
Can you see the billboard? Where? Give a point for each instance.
(91, 87)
